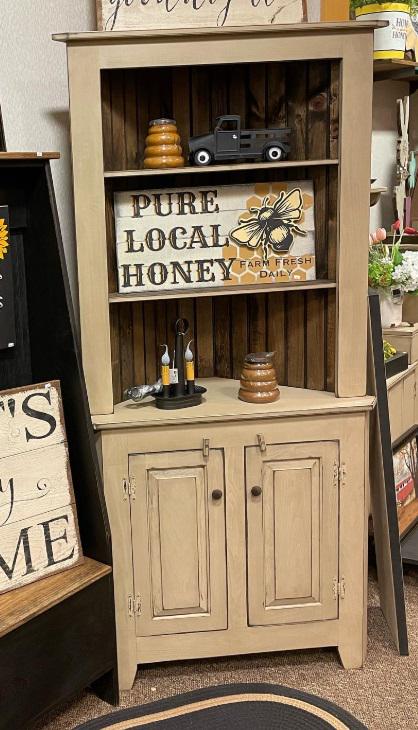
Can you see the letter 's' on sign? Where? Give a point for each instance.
(38, 520)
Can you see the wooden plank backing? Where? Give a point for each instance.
(300, 327)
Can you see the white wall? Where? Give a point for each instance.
(34, 90)
(384, 147)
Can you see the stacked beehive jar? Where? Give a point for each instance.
(162, 145)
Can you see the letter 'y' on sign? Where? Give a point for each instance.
(38, 520)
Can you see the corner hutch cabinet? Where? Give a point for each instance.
(236, 528)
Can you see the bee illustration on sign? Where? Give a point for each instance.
(273, 225)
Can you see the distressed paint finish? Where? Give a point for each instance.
(134, 14)
(38, 521)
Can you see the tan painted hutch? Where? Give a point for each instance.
(284, 567)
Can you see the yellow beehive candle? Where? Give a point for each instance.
(162, 145)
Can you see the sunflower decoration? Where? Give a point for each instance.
(4, 238)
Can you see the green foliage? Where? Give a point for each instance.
(388, 350)
(354, 4)
(382, 263)
(396, 253)
(380, 273)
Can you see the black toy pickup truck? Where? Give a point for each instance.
(230, 142)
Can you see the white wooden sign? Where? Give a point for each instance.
(160, 14)
(218, 236)
(38, 521)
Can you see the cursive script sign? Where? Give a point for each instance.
(160, 14)
(38, 522)
(222, 236)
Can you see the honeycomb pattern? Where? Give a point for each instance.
(250, 267)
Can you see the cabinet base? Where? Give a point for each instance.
(151, 650)
(268, 639)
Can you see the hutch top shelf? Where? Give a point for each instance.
(313, 78)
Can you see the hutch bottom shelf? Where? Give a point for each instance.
(238, 528)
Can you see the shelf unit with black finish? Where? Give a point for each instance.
(57, 635)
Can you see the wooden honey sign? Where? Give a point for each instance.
(38, 521)
(218, 236)
(154, 14)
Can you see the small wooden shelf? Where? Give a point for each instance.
(222, 404)
(30, 155)
(217, 291)
(236, 167)
(396, 68)
(23, 604)
(375, 194)
(407, 241)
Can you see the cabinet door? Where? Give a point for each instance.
(178, 538)
(292, 523)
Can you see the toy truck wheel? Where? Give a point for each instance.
(202, 158)
(273, 153)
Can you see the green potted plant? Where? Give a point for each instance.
(389, 42)
(383, 262)
(406, 274)
(394, 274)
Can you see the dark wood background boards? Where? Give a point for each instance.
(299, 326)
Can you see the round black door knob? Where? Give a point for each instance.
(217, 494)
(256, 491)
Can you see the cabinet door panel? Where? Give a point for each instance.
(178, 538)
(292, 533)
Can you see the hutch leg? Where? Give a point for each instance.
(353, 542)
(351, 654)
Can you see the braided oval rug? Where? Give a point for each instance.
(232, 707)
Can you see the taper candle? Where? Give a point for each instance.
(188, 356)
(182, 327)
(165, 372)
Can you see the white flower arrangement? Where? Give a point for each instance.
(406, 273)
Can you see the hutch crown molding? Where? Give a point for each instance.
(236, 528)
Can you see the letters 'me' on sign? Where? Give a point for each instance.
(221, 236)
(154, 14)
(38, 522)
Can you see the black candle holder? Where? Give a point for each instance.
(187, 400)
(181, 393)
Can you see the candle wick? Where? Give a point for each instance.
(165, 360)
(188, 355)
